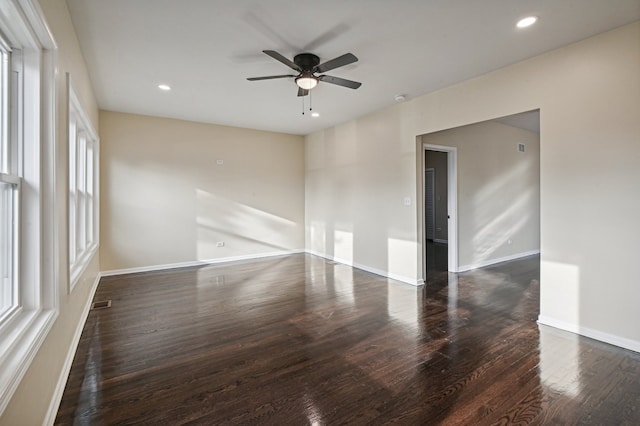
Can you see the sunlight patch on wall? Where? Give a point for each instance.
(502, 217)
(496, 231)
(401, 257)
(497, 186)
(560, 292)
(343, 245)
(220, 219)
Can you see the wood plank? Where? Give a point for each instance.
(299, 340)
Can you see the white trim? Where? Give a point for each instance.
(452, 205)
(82, 124)
(612, 339)
(38, 23)
(490, 262)
(197, 263)
(54, 404)
(20, 342)
(75, 106)
(153, 268)
(26, 347)
(81, 265)
(439, 241)
(386, 274)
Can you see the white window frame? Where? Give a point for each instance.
(10, 176)
(22, 332)
(83, 177)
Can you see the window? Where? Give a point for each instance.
(9, 188)
(83, 168)
(28, 272)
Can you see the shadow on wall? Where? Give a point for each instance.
(493, 231)
(226, 228)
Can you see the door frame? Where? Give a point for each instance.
(452, 205)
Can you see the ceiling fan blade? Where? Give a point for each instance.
(270, 77)
(340, 61)
(302, 92)
(326, 37)
(278, 57)
(340, 81)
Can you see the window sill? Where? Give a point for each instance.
(19, 346)
(77, 269)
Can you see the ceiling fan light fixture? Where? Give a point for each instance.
(307, 81)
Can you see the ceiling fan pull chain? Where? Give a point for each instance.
(302, 105)
(310, 101)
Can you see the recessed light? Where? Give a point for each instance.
(164, 87)
(527, 22)
(315, 114)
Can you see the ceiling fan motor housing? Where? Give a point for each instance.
(306, 61)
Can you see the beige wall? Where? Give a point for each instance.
(33, 397)
(165, 200)
(498, 191)
(588, 94)
(357, 176)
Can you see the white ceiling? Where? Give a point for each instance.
(205, 50)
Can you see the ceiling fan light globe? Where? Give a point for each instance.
(307, 83)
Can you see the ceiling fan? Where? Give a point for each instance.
(307, 65)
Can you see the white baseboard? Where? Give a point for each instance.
(197, 263)
(386, 274)
(611, 339)
(490, 262)
(397, 277)
(71, 353)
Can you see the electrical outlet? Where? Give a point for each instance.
(509, 242)
(219, 162)
(220, 244)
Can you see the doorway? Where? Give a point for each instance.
(436, 214)
(440, 211)
(497, 216)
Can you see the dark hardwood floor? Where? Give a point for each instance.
(298, 340)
